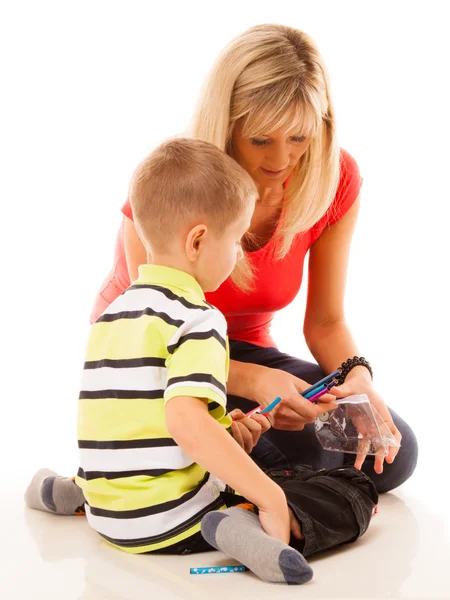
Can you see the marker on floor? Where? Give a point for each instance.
(225, 569)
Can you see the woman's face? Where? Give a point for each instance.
(269, 159)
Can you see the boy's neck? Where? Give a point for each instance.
(163, 260)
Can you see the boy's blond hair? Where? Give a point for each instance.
(185, 182)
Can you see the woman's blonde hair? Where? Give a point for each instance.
(273, 77)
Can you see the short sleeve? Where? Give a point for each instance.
(198, 362)
(126, 210)
(349, 186)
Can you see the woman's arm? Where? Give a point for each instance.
(325, 330)
(135, 252)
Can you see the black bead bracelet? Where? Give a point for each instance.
(349, 364)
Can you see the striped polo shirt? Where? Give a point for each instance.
(158, 340)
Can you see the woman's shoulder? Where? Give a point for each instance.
(348, 188)
(349, 169)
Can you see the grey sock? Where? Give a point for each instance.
(238, 533)
(49, 492)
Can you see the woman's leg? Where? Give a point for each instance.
(302, 447)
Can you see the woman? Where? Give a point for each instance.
(267, 104)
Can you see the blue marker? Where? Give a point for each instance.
(314, 391)
(227, 569)
(271, 406)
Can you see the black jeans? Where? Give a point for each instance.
(284, 449)
(333, 506)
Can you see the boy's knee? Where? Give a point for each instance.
(334, 506)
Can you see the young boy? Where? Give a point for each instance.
(156, 458)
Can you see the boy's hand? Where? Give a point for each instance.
(247, 430)
(275, 519)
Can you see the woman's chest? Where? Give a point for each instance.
(276, 282)
(262, 227)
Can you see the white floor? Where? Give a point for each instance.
(405, 554)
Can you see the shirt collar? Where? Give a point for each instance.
(167, 276)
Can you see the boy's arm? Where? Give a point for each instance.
(213, 448)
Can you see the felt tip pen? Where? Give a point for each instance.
(271, 406)
(325, 380)
(322, 392)
(261, 410)
(225, 569)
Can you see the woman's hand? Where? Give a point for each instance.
(358, 381)
(294, 411)
(247, 430)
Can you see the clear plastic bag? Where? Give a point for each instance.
(355, 427)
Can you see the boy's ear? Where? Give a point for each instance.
(194, 241)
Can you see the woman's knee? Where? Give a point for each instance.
(409, 450)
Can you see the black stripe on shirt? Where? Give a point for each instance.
(121, 394)
(124, 444)
(198, 377)
(125, 363)
(154, 539)
(137, 314)
(149, 510)
(199, 335)
(109, 475)
(170, 295)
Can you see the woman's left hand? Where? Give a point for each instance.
(358, 381)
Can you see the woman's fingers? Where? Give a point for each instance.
(294, 412)
(359, 461)
(393, 450)
(287, 419)
(306, 409)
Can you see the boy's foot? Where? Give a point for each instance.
(49, 492)
(238, 533)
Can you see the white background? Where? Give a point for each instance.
(89, 87)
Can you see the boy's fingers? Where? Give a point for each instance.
(236, 413)
(237, 434)
(295, 528)
(262, 420)
(246, 435)
(253, 428)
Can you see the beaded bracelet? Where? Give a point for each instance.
(349, 364)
